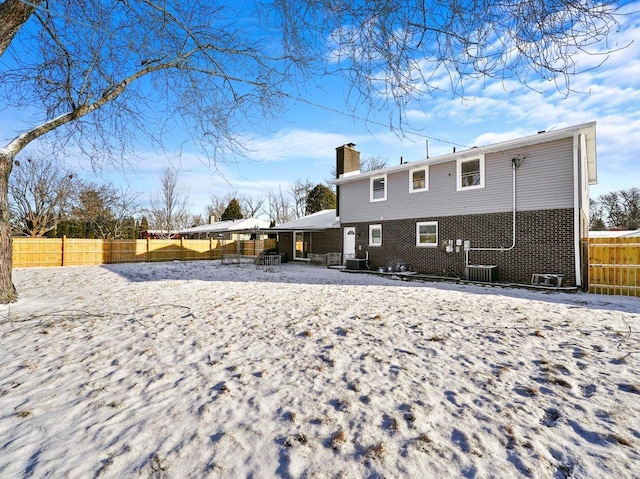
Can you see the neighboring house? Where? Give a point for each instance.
(504, 211)
(318, 233)
(242, 229)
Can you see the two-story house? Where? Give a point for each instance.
(505, 211)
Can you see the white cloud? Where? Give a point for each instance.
(291, 144)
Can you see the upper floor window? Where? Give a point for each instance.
(470, 173)
(378, 185)
(427, 233)
(419, 179)
(375, 235)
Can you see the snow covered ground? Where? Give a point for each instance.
(198, 369)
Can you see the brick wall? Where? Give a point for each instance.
(329, 241)
(544, 244)
(285, 244)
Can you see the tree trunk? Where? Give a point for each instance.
(13, 14)
(7, 291)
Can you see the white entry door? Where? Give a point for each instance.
(349, 243)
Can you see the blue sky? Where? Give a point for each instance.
(300, 142)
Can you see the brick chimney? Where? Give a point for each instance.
(347, 160)
(347, 163)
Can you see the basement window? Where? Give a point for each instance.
(427, 234)
(419, 179)
(378, 186)
(375, 235)
(470, 173)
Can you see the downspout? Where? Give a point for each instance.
(578, 164)
(515, 164)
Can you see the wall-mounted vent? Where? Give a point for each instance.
(481, 272)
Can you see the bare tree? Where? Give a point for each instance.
(620, 209)
(373, 163)
(280, 209)
(104, 211)
(168, 211)
(197, 220)
(252, 207)
(299, 192)
(125, 207)
(40, 193)
(368, 163)
(99, 71)
(396, 51)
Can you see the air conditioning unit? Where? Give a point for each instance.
(481, 272)
(357, 264)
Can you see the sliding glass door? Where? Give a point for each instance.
(301, 245)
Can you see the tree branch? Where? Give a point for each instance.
(13, 15)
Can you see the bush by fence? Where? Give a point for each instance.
(30, 252)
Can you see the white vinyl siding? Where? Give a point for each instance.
(427, 234)
(375, 235)
(378, 185)
(470, 173)
(419, 179)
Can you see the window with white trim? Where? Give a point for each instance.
(419, 179)
(378, 185)
(470, 173)
(375, 235)
(427, 234)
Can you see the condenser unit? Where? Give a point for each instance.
(481, 272)
(357, 264)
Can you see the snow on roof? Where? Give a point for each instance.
(321, 220)
(245, 224)
(614, 234)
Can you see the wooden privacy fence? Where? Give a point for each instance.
(28, 252)
(614, 266)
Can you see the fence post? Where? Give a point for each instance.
(64, 237)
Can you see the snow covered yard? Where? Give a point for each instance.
(197, 369)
